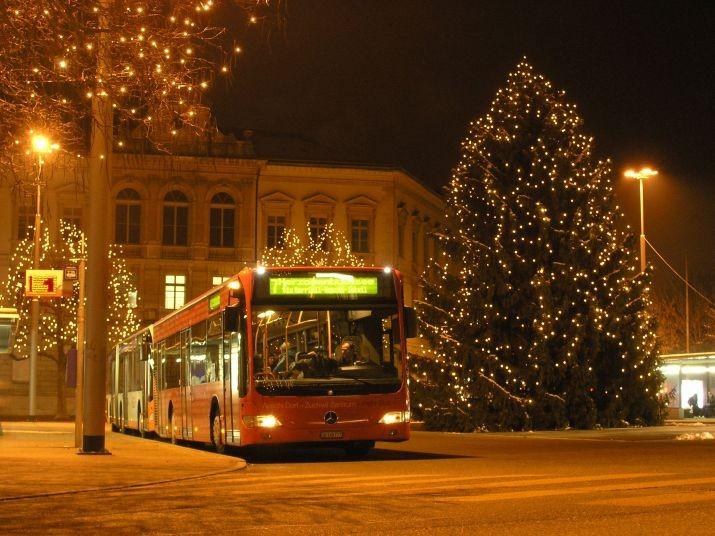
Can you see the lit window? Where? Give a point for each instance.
(276, 231)
(218, 279)
(222, 218)
(360, 235)
(176, 219)
(128, 217)
(174, 291)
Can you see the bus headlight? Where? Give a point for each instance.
(261, 421)
(395, 417)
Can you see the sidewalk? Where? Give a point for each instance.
(39, 458)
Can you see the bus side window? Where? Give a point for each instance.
(198, 355)
(213, 349)
(171, 362)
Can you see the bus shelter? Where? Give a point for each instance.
(690, 378)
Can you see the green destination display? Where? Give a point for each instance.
(323, 284)
(214, 302)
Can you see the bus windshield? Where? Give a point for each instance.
(329, 351)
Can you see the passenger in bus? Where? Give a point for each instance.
(286, 353)
(348, 353)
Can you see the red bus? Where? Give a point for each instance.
(299, 355)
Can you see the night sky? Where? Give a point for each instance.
(397, 82)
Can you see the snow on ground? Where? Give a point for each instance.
(695, 436)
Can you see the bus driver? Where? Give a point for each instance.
(348, 354)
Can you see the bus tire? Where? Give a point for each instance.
(216, 435)
(357, 450)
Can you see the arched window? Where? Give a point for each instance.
(222, 221)
(128, 217)
(176, 219)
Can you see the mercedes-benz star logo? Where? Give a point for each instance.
(331, 417)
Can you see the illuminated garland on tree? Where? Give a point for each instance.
(537, 317)
(158, 60)
(329, 248)
(123, 298)
(58, 316)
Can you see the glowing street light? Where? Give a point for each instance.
(41, 145)
(641, 174)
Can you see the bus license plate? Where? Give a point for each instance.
(332, 434)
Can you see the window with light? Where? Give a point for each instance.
(174, 291)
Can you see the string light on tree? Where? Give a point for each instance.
(157, 57)
(329, 247)
(536, 317)
(58, 317)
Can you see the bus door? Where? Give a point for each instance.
(112, 388)
(185, 386)
(232, 376)
(122, 387)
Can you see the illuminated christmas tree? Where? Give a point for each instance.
(58, 316)
(330, 247)
(537, 317)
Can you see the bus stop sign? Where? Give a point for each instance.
(43, 283)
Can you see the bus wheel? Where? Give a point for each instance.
(358, 449)
(216, 434)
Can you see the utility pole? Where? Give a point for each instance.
(95, 357)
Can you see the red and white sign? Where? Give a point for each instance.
(43, 283)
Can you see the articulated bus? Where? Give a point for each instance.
(303, 355)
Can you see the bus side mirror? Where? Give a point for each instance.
(230, 319)
(410, 322)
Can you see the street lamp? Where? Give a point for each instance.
(641, 175)
(41, 146)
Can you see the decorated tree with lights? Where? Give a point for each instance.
(58, 316)
(329, 247)
(537, 317)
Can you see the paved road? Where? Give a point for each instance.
(622, 482)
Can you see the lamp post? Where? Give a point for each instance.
(41, 146)
(641, 175)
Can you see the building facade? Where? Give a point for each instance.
(187, 222)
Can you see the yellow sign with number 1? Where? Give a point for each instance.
(43, 283)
